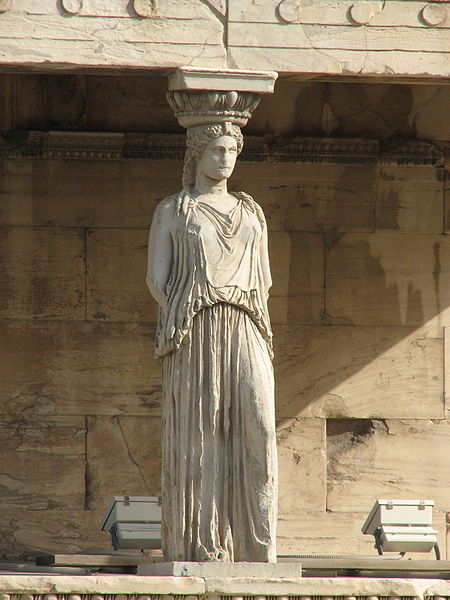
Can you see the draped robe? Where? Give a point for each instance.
(219, 471)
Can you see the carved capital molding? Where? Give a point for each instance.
(125, 146)
(195, 108)
(199, 96)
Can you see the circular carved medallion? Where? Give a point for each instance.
(145, 8)
(288, 10)
(72, 7)
(434, 14)
(361, 13)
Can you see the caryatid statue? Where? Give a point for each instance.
(208, 269)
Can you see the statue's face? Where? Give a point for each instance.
(218, 158)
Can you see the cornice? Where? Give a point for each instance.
(164, 146)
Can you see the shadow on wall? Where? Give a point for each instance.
(361, 290)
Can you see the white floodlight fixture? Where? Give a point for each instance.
(402, 526)
(134, 522)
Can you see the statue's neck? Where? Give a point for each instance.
(206, 185)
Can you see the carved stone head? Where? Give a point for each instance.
(198, 138)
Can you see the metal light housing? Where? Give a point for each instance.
(402, 526)
(134, 522)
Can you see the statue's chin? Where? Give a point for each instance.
(225, 173)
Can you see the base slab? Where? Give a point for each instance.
(222, 569)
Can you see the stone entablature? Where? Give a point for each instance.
(386, 39)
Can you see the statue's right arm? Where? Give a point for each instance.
(160, 251)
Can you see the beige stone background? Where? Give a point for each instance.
(360, 305)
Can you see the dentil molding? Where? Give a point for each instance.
(81, 596)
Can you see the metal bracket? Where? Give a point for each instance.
(377, 536)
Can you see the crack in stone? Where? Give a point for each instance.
(204, 44)
(222, 18)
(130, 456)
(305, 31)
(421, 108)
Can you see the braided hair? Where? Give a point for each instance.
(197, 138)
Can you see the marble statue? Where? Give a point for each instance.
(208, 270)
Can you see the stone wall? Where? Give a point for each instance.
(360, 305)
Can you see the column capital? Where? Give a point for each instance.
(200, 96)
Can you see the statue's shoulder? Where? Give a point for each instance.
(167, 203)
(252, 204)
(167, 206)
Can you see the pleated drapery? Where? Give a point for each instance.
(219, 452)
(219, 465)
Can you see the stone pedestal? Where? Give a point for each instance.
(260, 570)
